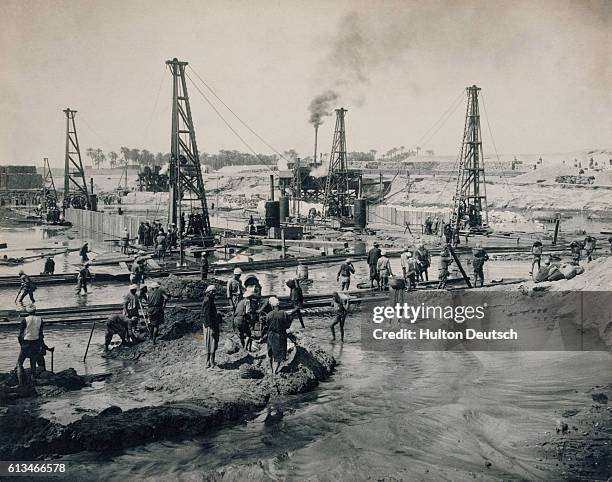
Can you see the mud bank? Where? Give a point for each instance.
(188, 287)
(595, 285)
(581, 443)
(198, 399)
(48, 384)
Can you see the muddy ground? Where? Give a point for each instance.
(197, 399)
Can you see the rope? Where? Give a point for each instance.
(146, 131)
(92, 130)
(484, 108)
(229, 125)
(426, 138)
(236, 115)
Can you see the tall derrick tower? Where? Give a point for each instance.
(470, 201)
(49, 196)
(75, 185)
(340, 187)
(185, 173)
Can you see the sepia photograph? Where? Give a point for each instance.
(264, 240)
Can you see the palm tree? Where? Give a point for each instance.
(146, 158)
(125, 152)
(113, 156)
(100, 157)
(91, 153)
(135, 156)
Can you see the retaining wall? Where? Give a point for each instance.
(400, 216)
(112, 224)
(105, 223)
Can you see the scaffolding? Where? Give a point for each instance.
(470, 200)
(341, 185)
(49, 197)
(75, 185)
(185, 173)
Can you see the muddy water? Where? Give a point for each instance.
(408, 415)
(427, 415)
(324, 281)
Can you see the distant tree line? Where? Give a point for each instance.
(127, 156)
(235, 158)
(143, 157)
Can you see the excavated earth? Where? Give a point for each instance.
(198, 399)
(581, 444)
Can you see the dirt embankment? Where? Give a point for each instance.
(581, 444)
(594, 285)
(48, 384)
(199, 399)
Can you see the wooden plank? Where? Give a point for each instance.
(456, 258)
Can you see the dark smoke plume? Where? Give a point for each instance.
(321, 107)
(346, 65)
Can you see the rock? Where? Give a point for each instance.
(9, 395)
(97, 377)
(187, 288)
(251, 373)
(112, 410)
(562, 427)
(178, 322)
(237, 361)
(48, 384)
(141, 425)
(569, 413)
(600, 397)
(306, 364)
(24, 436)
(230, 346)
(68, 379)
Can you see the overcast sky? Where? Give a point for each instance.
(544, 67)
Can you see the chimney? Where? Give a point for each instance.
(315, 146)
(271, 187)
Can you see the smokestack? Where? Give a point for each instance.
(271, 187)
(315, 149)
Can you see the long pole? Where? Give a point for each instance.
(283, 247)
(466, 278)
(93, 325)
(557, 222)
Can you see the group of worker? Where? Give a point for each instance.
(148, 232)
(587, 246)
(249, 309)
(141, 303)
(578, 250)
(415, 266)
(431, 225)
